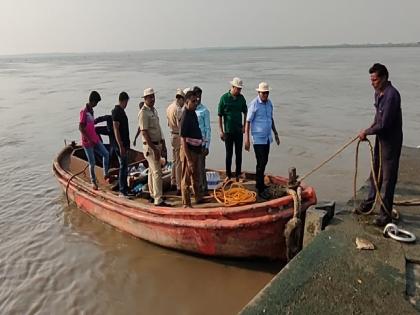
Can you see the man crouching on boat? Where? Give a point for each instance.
(153, 145)
(90, 139)
(191, 150)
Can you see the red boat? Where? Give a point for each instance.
(252, 230)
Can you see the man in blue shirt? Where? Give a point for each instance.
(203, 115)
(387, 127)
(260, 120)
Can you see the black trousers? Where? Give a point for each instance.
(391, 151)
(233, 139)
(261, 154)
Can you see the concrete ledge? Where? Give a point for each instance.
(276, 297)
(330, 276)
(315, 222)
(317, 218)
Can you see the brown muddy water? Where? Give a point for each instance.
(54, 259)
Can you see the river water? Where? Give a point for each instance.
(56, 260)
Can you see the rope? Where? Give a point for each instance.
(410, 202)
(330, 158)
(376, 179)
(235, 195)
(296, 195)
(70, 179)
(292, 232)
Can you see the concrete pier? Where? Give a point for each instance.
(331, 276)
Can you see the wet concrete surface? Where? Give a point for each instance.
(331, 276)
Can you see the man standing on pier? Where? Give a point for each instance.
(260, 121)
(387, 127)
(231, 107)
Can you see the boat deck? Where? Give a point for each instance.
(76, 162)
(171, 198)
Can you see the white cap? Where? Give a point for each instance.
(180, 92)
(263, 87)
(186, 90)
(237, 83)
(148, 91)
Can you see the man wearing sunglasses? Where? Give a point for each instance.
(260, 120)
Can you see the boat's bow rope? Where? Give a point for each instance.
(70, 179)
(293, 231)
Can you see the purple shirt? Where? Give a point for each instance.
(388, 118)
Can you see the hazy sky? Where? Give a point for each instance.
(36, 26)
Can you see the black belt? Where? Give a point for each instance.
(175, 133)
(155, 143)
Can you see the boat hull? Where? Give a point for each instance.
(246, 231)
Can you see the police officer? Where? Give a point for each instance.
(173, 115)
(387, 127)
(153, 145)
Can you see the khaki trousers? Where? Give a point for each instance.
(176, 174)
(155, 175)
(190, 179)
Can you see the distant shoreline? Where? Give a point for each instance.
(381, 45)
(326, 46)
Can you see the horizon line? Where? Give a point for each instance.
(321, 46)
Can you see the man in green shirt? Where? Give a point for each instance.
(232, 106)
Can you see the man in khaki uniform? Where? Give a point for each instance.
(173, 114)
(153, 145)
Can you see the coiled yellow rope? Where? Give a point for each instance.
(234, 194)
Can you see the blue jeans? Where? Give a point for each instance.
(90, 153)
(122, 178)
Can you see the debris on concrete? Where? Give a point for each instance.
(364, 244)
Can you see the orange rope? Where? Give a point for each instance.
(235, 195)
